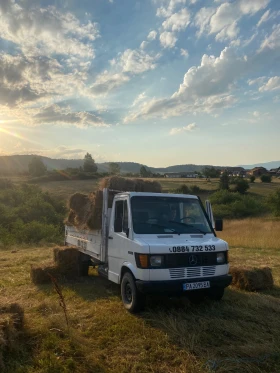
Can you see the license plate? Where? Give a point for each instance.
(196, 285)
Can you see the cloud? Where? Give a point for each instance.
(167, 39)
(273, 40)
(177, 21)
(272, 84)
(189, 128)
(29, 80)
(152, 35)
(169, 9)
(46, 31)
(205, 88)
(107, 81)
(184, 52)
(124, 67)
(223, 21)
(55, 114)
(143, 44)
(141, 97)
(137, 61)
(264, 18)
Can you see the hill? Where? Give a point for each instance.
(267, 165)
(19, 164)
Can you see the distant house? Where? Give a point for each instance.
(258, 171)
(181, 174)
(235, 171)
(275, 171)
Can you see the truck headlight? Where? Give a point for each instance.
(221, 258)
(156, 260)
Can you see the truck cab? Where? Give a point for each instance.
(162, 243)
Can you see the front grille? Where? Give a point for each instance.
(183, 260)
(180, 273)
(208, 271)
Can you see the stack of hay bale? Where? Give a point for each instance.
(85, 211)
(11, 324)
(252, 279)
(66, 264)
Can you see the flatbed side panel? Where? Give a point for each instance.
(89, 242)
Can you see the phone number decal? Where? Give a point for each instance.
(188, 249)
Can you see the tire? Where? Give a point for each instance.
(132, 299)
(196, 297)
(216, 293)
(83, 267)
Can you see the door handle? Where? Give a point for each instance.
(110, 237)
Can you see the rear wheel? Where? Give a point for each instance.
(83, 265)
(132, 299)
(216, 293)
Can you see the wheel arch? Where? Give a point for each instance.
(127, 267)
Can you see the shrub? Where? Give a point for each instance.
(266, 178)
(241, 186)
(252, 179)
(234, 205)
(183, 189)
(273, 201)
(195, 189)
(28, 215)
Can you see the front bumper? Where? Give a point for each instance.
(176, 286)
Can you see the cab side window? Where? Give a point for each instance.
(121, 217)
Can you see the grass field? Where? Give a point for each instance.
(64, 189)
(238, 334)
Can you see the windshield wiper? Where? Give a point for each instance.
(188, 225)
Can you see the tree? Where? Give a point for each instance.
(274, 202)
(211, 172)
(224, 181)
(89, 164)
(114, 168)
(144, 172)
(241, 186)
(36, 167)
(252, 179)
(266, 178)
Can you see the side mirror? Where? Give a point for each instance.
(219, 225)
(118, 225)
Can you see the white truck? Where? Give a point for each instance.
(153, 243)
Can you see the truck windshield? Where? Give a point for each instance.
(156, 215)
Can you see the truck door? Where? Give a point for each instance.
(119, 241)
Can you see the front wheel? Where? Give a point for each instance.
(216, 293)
(132, 299)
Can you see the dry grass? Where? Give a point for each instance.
(252, 233)
(173, 336)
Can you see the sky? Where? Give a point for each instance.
(159, 82)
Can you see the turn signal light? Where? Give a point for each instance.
(143, 259)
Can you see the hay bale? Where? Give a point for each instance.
(252, 279)
(40, 273)
(81, 206)
(130, 185)
(67, 260)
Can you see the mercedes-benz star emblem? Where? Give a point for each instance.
(193, 260)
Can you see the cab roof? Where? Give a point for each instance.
(149, 194)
